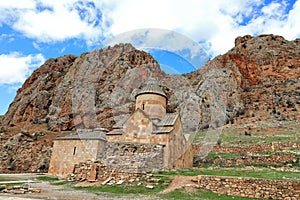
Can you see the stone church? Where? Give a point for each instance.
(150, 139)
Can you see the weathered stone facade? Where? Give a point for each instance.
(132, 157)
(71, 150)
(97, 171)
(251, 187)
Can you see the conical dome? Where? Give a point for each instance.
(151, 87)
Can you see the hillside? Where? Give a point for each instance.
(256, 83)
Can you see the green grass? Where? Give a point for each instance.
(234, 136)
(237, 172)
(200, 194)
(47, 178)
(124, 189)
(7, 179)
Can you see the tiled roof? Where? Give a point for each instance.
(160, 131)
(117, 132)
(89, 135)
(168, 120)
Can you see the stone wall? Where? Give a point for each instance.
(259, 148)
(132, 157)
(97, 171)
(250, 187)
(276, 159)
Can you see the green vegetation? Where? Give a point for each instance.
(239, 172)
(47, 178)
(233, 136)
(124, 189)
(141, 190)
(7, 179)
(200, 194)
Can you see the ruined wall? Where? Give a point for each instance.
(67, 153)
(251, 187)
(98, 171)
(130, 157)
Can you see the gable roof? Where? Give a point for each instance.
(168, 120)
(85, 135)
(162, 131)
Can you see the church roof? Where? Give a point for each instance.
(168, 120)
(151, 88)
(85, 135)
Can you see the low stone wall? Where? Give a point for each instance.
(97, 171)
(256, 160)
(259, 148)
(250, 187)
(133, 157)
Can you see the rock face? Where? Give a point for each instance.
(261, 76)
(25, 152)
(256, 82)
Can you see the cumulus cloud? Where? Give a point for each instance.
(161, 39)
(16, 67)
(216, 22)
(51, 21)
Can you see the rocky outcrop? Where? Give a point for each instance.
(25, 152)
(261, 77)
(256, 80)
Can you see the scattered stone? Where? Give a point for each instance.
(120, 182)
(106, 181)
(150, 186)
(19, 191)
(2, 187)
(35, 190)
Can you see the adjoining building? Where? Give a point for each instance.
(150, 139)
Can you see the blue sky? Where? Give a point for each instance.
(32, 31)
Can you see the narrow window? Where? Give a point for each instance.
(143, 106)
(74, 151)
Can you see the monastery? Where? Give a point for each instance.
(150, 139)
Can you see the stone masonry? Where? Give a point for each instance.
(133, 157)
(251, 187)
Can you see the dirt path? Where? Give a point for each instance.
(57, 192)
(61, 192)
(179, 182)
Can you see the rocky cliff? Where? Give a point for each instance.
(257, 81)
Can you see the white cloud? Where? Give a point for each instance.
(15, 67)
(218, 22)
(51, 21)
